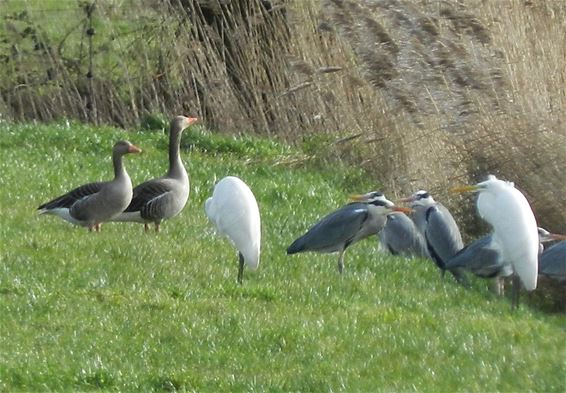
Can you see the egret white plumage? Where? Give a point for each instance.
(439, 229)
(515, 234)
(234, 212)
(400, 236)
(346, 226)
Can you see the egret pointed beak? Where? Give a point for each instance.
(466, 189)
(401, 209)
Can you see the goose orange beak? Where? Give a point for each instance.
(192, 120)
(134, 149)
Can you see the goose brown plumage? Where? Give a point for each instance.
(91, 204)
(162, 198)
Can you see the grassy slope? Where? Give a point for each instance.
(124, 311)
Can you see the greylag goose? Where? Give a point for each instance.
(346, 226)
(162, 198)
(234, 212)
(91, 204)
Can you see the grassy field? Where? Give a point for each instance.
(126, 311)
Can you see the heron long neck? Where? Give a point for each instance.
(176, 168)
(119, 170)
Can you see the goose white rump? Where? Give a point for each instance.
(234, 212)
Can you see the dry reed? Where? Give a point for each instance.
(422, 95)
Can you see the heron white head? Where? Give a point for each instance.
(377, 198)
(420, 198)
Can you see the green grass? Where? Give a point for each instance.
(125, 311)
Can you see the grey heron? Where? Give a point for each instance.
(483, 258)
(439, 229)
(400, 236)
(552, 262)
(234, 212)
(346, 226)
(515, 234)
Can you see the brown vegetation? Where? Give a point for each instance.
(427, 94)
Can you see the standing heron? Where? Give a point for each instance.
(400, 236)
(483, 258)
(346, 226)
(552, 262)
(515, 234)
(234, 212)
(440, 231)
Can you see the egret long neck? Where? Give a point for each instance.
(176, 168)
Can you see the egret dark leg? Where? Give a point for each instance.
(341, 261)
(515, 293)
(241, 268)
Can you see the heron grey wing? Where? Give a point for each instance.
(479, 258)
(442, 234)
(401, 236)
(553, 261)
(334, 231)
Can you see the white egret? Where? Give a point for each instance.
(234, 212)
(515, 234)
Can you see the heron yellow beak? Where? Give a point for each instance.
(401, 209)
(556, 236)
(359, 197)
(465, 189)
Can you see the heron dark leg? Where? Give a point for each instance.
(97, 227)
(498, 285)
(241, 268)
(146, 227)
(157, 227)
(341, 261)
(515, 292)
